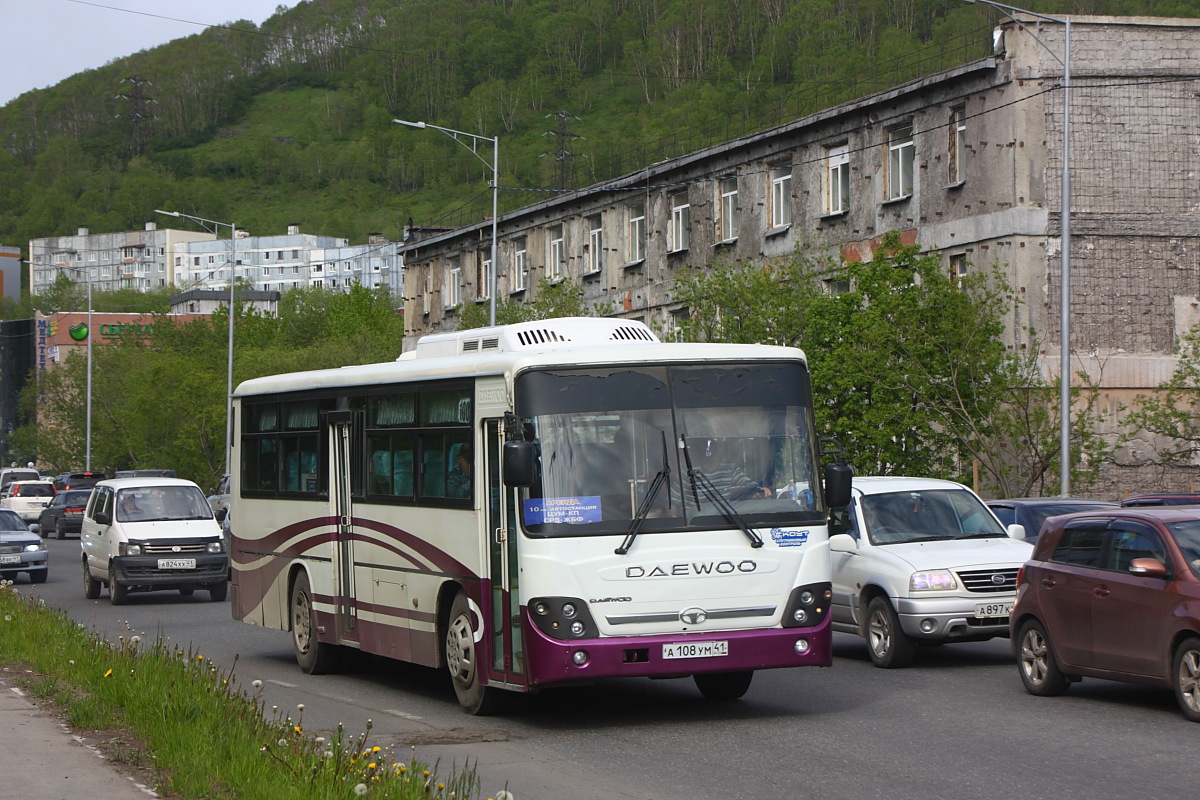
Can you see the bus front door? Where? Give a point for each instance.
(342, 510)
(506, 664)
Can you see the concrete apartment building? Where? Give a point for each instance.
(966, 163)
(125, 260)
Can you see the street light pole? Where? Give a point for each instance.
(1064, 444)
(495, 165)
(232, 300)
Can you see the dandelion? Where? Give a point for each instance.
(320, 740)
(71, 662)
(300, 706)
(361, 790)
(328, 754)
(199, 657)
(296, 728)
(108, 673)
(8, 617)
(441, 787)
(283, 742)
(257, 684)
(504, 794)
(372, 765)
(375, 749)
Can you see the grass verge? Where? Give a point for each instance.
(191, 724)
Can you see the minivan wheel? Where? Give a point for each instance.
(118, 593)
(1039, 671)
(1186, 669)
(91, 586)
(218, 591)
(887, 642)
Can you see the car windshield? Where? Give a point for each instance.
(9, 521)
(1187, 536)
(161, 503)
(930, 515)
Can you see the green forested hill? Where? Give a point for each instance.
(290, 122)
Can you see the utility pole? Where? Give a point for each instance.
(139, 116)
(564, 173)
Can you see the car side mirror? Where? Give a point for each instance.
(221, 514)
(843, 543)
(520, 463)
(1148, 568)
(103, 519)
(1016, 531)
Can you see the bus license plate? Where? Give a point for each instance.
(992, 610)
(10, 559)
(177, 563)
(695, 650)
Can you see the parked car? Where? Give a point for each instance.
(27, 498)
(10, 474)
(21, 550)
(64, 514)
(918, 560)
(1113, 594)
(1031, 512)
(77, 480)
(218, 498)
(1165, 499)
(147, 534)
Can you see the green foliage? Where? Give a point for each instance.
(909, 368)
(552, 299)
(1171, 415)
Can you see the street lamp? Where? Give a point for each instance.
(232, 263)
(495, 165)
(1064, 444)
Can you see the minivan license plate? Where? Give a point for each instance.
(991, 610)
(695, 649)
(177, 563)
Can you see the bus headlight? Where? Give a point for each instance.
(562, 617)
(807, 606)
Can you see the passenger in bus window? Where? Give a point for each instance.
(729, 478)
(458, 480)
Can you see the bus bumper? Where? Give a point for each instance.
(551, 661)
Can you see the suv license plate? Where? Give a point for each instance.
(10, 559)
(177, 563)
(992, 610)
(695, 650)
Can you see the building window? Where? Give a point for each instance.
(681, 222)
(837, 179)
(900, 156)
(425, 294)
(637, 233)
(212, 259)
(483, 278)
(520, 276)
(595, 254)
(556, 251)
(727, 209)
(959, 267)
(779, 199)
(454, 283)
(836, 286)
(958, 145)
(92, 256)
(316, 268)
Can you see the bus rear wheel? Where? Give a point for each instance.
(723, 685)
(314, 656)
(462, 659)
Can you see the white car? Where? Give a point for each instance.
(919, 560)
(27, 498)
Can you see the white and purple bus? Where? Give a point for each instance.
(536, 504)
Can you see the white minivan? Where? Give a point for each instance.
(921, 561)
(147, 534)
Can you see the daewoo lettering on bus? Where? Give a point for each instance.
(543, 503)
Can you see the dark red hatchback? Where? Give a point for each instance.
(1112, 594)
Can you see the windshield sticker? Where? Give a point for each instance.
(789, 538)
(569, 510)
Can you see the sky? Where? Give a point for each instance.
(45, 41)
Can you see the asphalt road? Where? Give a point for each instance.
(956, 725)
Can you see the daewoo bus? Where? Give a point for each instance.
(543, 503)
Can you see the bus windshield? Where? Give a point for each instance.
(663, 439)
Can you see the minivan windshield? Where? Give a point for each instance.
(161, 503)
(928, 515)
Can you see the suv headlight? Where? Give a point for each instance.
(934, 580)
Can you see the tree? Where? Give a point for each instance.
(909, 367)
(1170, 414)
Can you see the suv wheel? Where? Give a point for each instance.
(887, 643)
(1039, 671)
(1186, 669)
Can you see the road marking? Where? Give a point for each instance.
(403, 715)
(281, 683)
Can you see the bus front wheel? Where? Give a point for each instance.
(723, 685)
(314, 656)
(462, 659)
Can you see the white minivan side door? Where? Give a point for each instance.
(94, 538)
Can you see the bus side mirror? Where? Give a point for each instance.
(837, 485)
(520, 463)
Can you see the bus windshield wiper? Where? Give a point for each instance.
(699, 480)
(643, 511)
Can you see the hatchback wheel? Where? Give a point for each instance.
(1039, 671)
(1186, 669)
